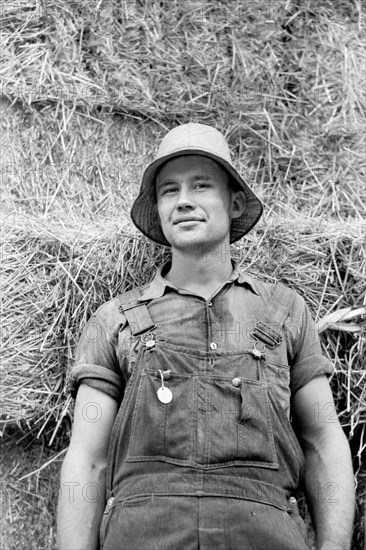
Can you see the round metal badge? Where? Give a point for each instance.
(164, 395)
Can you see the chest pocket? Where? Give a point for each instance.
(215, 419)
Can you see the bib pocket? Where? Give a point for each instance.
(211, 422)
(163, 431)
(242, 432)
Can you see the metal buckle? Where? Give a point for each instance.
(270, 339)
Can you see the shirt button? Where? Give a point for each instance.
(209, 304)
(236, 382)
(213, 345)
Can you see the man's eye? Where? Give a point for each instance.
(203, 185)
(168, 190)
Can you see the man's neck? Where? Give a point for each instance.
(201, 273)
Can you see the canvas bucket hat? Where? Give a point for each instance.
(191, 139)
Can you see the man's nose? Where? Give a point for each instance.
(185, 200)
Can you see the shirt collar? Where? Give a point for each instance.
(158, 285)
(244, 279)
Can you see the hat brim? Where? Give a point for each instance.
(144, 212)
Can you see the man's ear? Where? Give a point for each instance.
(238, 202)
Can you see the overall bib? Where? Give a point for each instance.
(202, 451)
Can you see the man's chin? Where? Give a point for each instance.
(194, 242)
(186, 242)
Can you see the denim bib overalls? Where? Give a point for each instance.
(202, 451)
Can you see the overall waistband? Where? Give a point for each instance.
(202, 484)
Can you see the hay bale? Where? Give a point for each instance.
(55, 277)
(284, 81)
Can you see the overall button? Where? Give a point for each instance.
(213, 345)
(110, 501)
(236, 382)
(150, 344)
(292, 500)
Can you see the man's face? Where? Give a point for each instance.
(194, 202)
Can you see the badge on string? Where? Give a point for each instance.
(164, 394)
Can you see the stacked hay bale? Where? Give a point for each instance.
(88, 89)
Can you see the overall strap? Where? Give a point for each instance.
(280, 303)
(136, 313)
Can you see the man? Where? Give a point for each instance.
(191, 389)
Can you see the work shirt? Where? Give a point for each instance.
(221, 325)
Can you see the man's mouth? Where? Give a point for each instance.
(184, 220)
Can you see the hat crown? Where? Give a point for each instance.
(195, 136)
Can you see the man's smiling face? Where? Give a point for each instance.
(195, 202)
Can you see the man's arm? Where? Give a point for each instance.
(329, 485)
(82, 491)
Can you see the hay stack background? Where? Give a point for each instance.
(88, 89)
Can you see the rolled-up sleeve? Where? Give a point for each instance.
(307, 360)
(96, 362)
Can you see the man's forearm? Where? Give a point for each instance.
(81, 504)
(329, 489)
